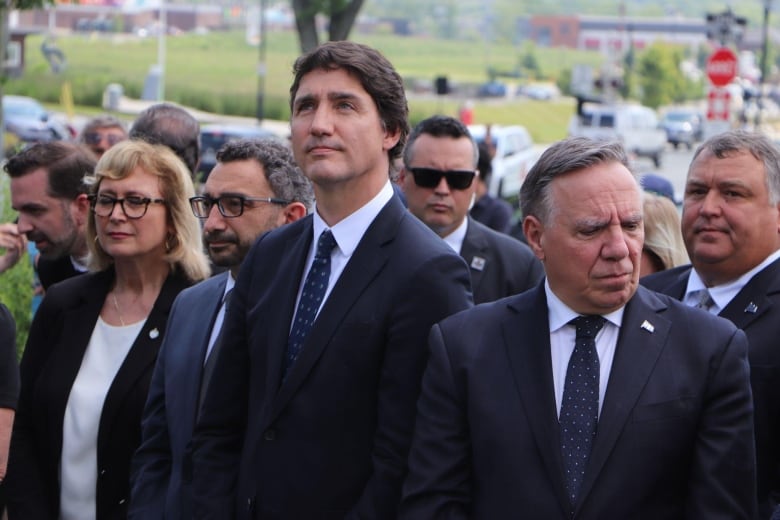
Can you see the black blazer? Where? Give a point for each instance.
(755, 310)
(674, 436)
(331, 440)
(499, 264)
(55, 348)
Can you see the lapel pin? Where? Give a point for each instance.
(752, 308)
(478, 263)
(647, 326)
(154, 333)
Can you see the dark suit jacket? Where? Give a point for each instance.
(493, 212)
(755, 310)
(55, 348)
(172, 407)
(500, 265)
(674, 436)
(330, 441)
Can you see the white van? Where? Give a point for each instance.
(636, 126)
(515, 154)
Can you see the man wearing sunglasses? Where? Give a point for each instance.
(255, 187)
(101, 133)
(440, 164)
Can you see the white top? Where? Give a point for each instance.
(105, 353)
(722, 294)
(563, 336)
(347, 233)
(220, 319)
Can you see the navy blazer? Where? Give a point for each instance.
(161, 470)
(331, 440)
(499, 264)
(674, 436)
(58, 338)
(755, 310)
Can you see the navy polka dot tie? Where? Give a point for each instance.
(580, 405)
(311, 297)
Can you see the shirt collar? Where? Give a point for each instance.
(457, 236)
(348, 231)
(723, 294)
(561, 314)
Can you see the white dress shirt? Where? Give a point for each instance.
(220, 319)
(562, 338)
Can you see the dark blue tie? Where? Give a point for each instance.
(311, 297)
(580, 405)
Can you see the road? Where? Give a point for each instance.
(674, 166)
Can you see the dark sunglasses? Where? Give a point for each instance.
(96, 138)
(430, 177)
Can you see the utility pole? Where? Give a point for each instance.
(764, 59)
(261, 64)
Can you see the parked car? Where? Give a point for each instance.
(492, 89)
(635, 126)
(683, 126)
(540, 91)
(26, 119)
(515, 154)
(213, 136)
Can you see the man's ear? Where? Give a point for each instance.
(534, 232)
(80, 209)
(293, 211)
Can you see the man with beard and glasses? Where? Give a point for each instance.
(255, 187)
(48, 191)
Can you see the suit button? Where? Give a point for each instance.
(102, 473)
(270, 435)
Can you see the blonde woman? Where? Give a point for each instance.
(93, 344)
(664, 247)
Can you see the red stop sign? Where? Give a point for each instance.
(722, 67)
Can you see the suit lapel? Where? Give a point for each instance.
(294, 256)
(752, 301)
(142, 354)
(365, 264)
(475, 252)
(642, 337)
(528, 350)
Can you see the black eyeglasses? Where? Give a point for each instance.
(430, 177)
(229, 206)
(134, 207)
(96, 138)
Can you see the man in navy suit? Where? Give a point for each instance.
(438, 179)
(731, 228)
(312, 402)
(587, 397)
(255, 187)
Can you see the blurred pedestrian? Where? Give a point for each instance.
(9, 390)
(94, 340)
(101, 133)
(491, 211)
(174, 127)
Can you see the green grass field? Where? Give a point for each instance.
(217, 72)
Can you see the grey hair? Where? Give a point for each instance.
(566, 156)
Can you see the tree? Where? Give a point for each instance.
(660, 78)
(341, 14)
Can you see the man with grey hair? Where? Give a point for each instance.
(588, 397)
(255, 187)
(731, 225)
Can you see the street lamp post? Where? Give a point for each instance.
(764, 59)
(261, 65)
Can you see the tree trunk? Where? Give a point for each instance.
(305, 12)
(343, 18)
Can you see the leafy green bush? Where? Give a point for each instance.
(16, 284)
